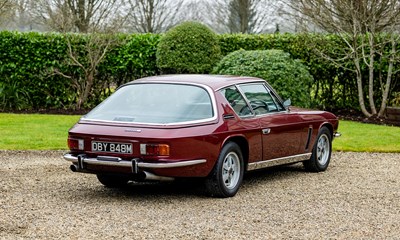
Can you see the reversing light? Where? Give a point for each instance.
(76, 144)
(154, 149)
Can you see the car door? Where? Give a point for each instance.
(248, 124)
(281, 130)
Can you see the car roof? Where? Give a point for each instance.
(213, 81)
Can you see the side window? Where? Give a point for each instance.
(277, 102)
(260, 98)
(237, 101)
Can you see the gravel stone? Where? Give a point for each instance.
(356, 198)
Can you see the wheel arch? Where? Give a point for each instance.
(328, 126)
(243, 144)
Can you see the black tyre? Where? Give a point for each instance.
(227, 174)
(112, 180)
(321, 153)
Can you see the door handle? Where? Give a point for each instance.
(266, 130)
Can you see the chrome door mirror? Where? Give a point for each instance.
(287, 103)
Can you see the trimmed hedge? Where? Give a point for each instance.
(190, 47)
(333, 87)
(27, 80)
(26, 60)
(289, 77)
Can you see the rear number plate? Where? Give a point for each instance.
(111, 147)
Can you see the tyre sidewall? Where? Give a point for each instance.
(217, 172)
(319, 166)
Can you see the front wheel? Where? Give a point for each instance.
(227, 174)
(321, 153)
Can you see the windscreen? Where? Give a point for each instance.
(158, 103)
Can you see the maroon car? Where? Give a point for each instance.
(204, 126)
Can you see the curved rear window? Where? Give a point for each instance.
(158, 103)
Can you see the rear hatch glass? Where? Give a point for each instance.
(155, 103)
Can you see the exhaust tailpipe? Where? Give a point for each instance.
(73, 168)
(151, 176)
(141, 176)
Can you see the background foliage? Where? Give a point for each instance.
(190, 47)
(23, 59)
(26, 60)
(289, 77)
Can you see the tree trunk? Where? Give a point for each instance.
(386, 90)
(360, 88)
(80, 85)
(89, 84)
(149, 17)
(371, 74)
(371, 85)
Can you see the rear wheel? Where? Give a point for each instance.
(321, 154)
(227, 174)
(112, 180)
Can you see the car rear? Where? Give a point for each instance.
(156, 129)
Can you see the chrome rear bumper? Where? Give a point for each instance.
(337, 134)
(135, 163)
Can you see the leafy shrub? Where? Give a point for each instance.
(395, 102)
(12, 97)
(289, 77)
(24, 58)
(188, 48)
(28, 60)
(333, 87)
(133, 59)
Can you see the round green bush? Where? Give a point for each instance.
(289, 77)
(190, 47)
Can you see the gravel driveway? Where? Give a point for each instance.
(356, 198)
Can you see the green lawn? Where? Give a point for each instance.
(362, 137)
(49, 132)
(35, 131)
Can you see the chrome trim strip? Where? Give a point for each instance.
(206, 120)
(278, 161)
(171, 165)
(337, 134)
(125, 163)
(71, 158)
(228, 116)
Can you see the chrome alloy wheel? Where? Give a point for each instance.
(323, 149)
(231, 170)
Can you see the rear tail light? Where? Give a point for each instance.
(75, 144)
(154, 149)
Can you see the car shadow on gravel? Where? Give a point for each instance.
(186, 188)
(147, 190)
(274, 173)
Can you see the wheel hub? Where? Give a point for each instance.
(230, 171)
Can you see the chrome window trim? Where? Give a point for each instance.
(278, 97)
(205, 87)
(269, 90)
(244, 98)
